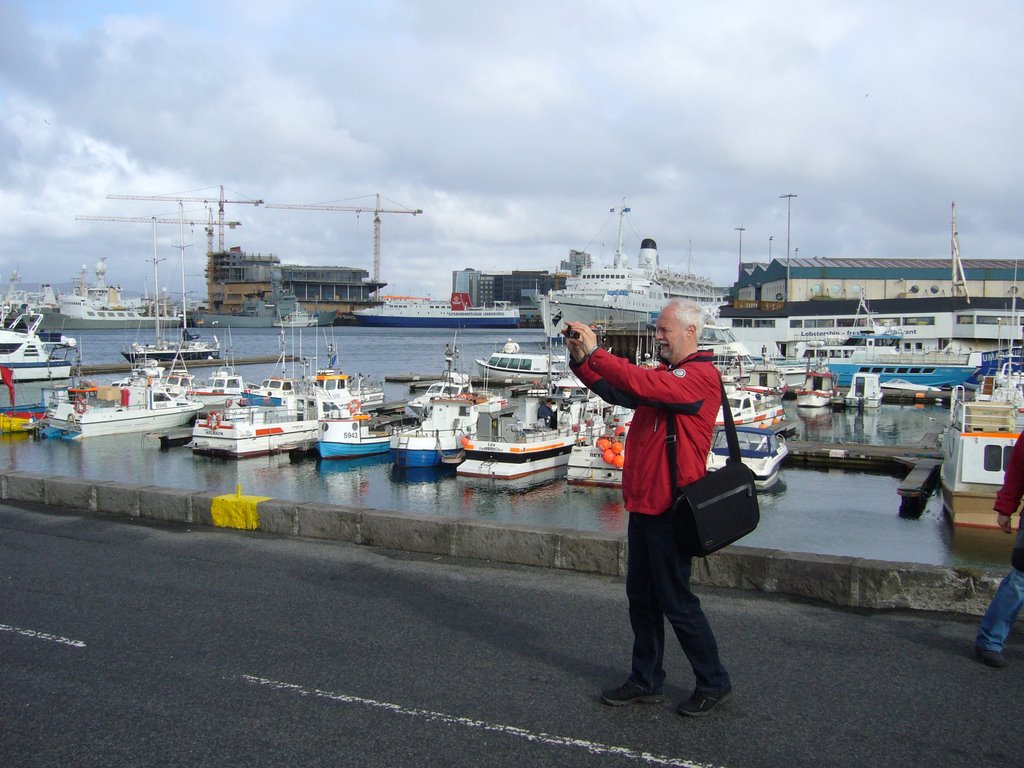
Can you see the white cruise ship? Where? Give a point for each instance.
(621, 295)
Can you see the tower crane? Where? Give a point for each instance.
(189, 199)
(158, 220)
(377, 211)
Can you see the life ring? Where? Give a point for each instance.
(79, 405)
(354, 406)
(213, 420)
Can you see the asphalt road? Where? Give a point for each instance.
(138, 645)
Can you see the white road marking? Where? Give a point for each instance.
(42, 636)
(592, 747)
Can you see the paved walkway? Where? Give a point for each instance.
(130, 644)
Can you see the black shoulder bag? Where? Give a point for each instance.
(719, 508)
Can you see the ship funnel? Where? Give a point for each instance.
(648, 254)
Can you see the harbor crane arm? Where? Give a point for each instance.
(158, 220)
(221, 201)
(357, 209)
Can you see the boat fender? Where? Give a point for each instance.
(79, 405)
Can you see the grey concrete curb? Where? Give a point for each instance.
(844, 581)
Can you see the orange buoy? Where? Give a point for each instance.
(608, 456)
(617, 447)
(604, 443)
(620, 460)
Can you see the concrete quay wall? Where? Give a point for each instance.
(844, 581)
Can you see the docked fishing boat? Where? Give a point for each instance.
(754, 408)
(976, 448)
(31, 354)
(18, 418)
(352, 437)
(865, 391)
(221, 386)
(766, 378)
(818, 390)
(623, 295)
(450, 384)
(437, 439)
(139, 404)
(243, 431)
(512, 442)
(421, 312)
(598, 456)
(762, 450)
(510, 362)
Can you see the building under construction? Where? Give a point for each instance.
(234, 276)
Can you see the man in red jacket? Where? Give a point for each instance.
(685, 387)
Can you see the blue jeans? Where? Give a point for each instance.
(1002, 611)
(658, 588)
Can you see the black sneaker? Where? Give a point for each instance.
(702, 702)
(989, 657)
(630, 693)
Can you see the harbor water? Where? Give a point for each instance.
(835, 512)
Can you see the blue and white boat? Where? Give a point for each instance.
(457, 312)
(447, 425)
(31, 354)
(350, 438)
(878, 351)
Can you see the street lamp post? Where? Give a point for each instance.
(789, 208)
(739, 273)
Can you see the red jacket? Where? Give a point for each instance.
(689, 392)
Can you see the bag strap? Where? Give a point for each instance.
(730, 436)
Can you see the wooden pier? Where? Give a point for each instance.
(125, 367)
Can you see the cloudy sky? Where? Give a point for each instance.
(516, 127)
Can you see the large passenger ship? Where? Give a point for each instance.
(621, 295)
(457, 312)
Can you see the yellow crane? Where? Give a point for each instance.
(377, 211)
(221, 201)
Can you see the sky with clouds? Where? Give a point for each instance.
(515, 127)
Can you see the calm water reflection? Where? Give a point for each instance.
(825, 512)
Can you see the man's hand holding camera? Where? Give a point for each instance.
(581, 340)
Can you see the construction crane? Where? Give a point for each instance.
(158, 220)
(205, 200)
(377, 211)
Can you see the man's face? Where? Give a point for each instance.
(675, 342)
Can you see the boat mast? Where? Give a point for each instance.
(959, 280)
(620, 259)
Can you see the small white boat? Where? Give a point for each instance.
(140, 405)
(31, 354)
(513, 442)
(599, 455)
(976, 448)
(865, 391)
(297, 318)
(760, 449)
(438, 439)
(818, 390)
(221, 386)
(753, 408)
(511, 363)
(450, 384)
(902, 385)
